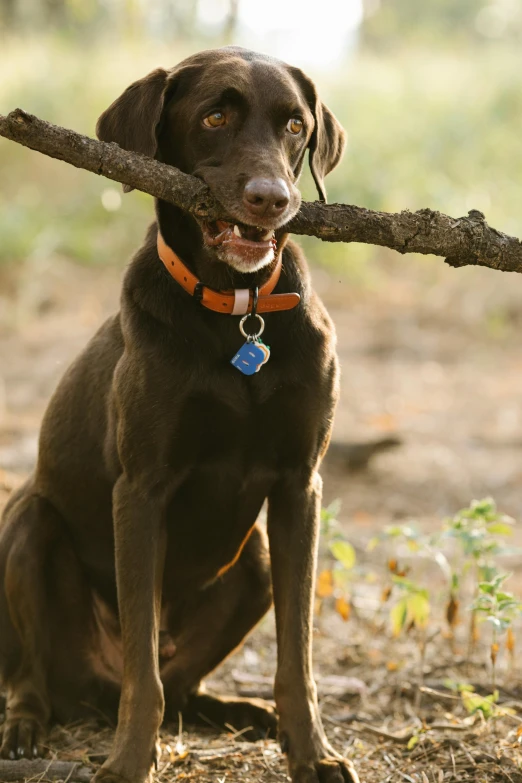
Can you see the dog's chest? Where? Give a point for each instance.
(235, 446)
(248, 426)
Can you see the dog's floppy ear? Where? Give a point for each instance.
(133, 119)
(326, 146)
(327, 141)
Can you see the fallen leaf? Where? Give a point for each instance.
(325, 584)
(385, 594)
(452, 612)
(343, 608)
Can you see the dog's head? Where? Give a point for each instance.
(242, 122)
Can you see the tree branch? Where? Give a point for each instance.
(45, 769)
(462, 241)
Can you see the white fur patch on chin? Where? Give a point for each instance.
(241, 264)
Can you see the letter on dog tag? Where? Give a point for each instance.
(250, 357)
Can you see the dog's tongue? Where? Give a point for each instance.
(249, 243)
(253, 233)
(229, 232)
(222, 225)
(224, 231)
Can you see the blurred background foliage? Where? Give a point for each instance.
(430, 94)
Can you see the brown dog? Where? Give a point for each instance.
(131, 560)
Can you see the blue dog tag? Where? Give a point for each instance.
(251, 357)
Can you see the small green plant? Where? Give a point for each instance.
(411, 611)
(466, 549)
(412, 607)
(476, 530)
(474, 703)
(499, 608)
(476, 534)
(409, 600)
(337, 578)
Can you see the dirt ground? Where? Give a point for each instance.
(429, 354)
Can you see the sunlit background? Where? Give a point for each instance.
(431, 97)
(429, 93)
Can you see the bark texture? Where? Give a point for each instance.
(461, 241)
(44, 770)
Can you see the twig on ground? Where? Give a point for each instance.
(439, 694)
(450, 727)
(402, 739)
(74, 772)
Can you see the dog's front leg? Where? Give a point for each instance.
(293, 527)
(140, 553)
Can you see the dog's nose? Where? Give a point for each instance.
(266, 197)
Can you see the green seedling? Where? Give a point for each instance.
(476, 530)
(466, 548)
(474, 703)
(411, 611)
(499, 608)
(336, 580)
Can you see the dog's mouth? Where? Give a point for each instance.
(247, 248)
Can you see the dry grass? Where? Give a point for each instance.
(371, 723)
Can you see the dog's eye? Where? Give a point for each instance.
(295, 125)
(215, 120)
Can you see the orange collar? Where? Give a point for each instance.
(237, 301)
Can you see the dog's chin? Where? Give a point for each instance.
(243, 261)
(245, 248)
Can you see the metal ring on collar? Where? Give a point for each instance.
(257, 334)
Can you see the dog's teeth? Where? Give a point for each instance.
(237, 232)
(267, 235)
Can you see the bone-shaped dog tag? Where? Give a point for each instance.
(251, 357)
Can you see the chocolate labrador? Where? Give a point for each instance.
(131, 562)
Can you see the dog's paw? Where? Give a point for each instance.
(124, 767)
(254, 718)
(106, 775)
(22, 739)
(251, 719)
(327, 770)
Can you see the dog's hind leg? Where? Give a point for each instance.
(211, 627)
(26, 533)
(46, 628)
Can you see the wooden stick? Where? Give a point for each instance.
(461, 241)
(45, 769)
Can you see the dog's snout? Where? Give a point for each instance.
(266, 197)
